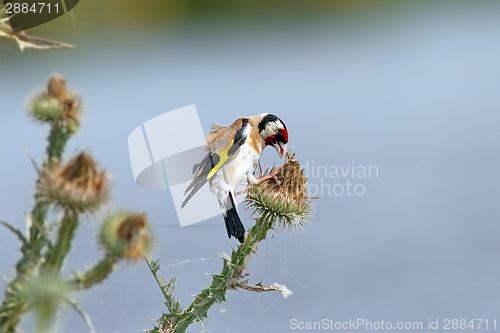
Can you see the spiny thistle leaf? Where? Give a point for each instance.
(15, 231)
(167, 288)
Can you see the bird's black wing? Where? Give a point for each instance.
(214, 160)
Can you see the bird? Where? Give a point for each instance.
(233, 153)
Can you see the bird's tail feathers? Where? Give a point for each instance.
(234, 226)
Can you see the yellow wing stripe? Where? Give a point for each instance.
(223, 157)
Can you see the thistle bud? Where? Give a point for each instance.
(76, 185)
(126, 235)
(56, 105)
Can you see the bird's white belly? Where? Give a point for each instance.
(235, 171)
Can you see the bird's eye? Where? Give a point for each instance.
(279, 137)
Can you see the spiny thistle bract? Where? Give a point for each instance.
(287, 205)
(77, 185)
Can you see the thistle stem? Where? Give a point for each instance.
(56, 255)
(96, 274)
(58, 137)
(285, 206)
(228, 278)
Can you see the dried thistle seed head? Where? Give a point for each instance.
(130, 232)
(56, 105)
(289, 202)
(293, 187)
(126, 235)
(56, 87)
(76, 185)
(69, 101)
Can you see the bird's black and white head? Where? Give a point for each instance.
(274, 133)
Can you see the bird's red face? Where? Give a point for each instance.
(274, 133)
(278, 141)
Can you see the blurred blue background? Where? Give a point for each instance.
(409, 87)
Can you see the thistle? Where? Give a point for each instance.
(288, 204)
(274, 206)
(60, 109)
(126, 235)
(56, 105)
(76, 186)
(123, 235)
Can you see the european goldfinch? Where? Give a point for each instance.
(233, 153)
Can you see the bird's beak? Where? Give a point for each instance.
(280, 148)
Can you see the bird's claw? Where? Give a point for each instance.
(272, 175)
(243, 191)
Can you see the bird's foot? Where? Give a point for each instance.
(272, 175)
(243, 191)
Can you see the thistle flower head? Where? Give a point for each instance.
(293, 187)
(76, 185)
(56, 105)
(287, 203)
(126, 235)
